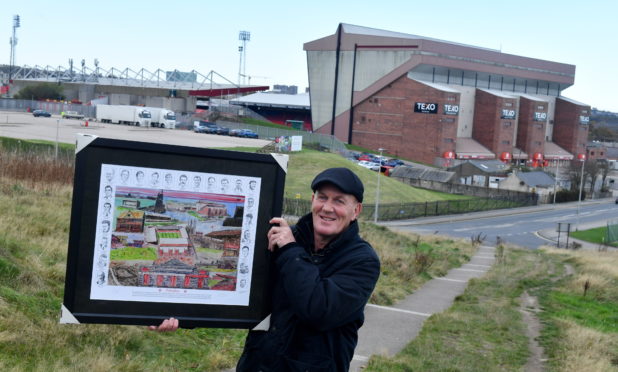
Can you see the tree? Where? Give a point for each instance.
(604, 169)
(41, 91)
(591, 170)
(575, 174)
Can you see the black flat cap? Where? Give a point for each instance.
(342, 178)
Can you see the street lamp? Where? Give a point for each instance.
(375, 215)
(582, 158)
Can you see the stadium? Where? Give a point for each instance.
(434, 101)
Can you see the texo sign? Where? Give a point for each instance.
(507, 114)
(426, 108)
(451, 109)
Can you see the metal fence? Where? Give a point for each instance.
(53, 107)
(398, 211)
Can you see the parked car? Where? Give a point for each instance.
(223, 130)
(206, 127)
(369, 165)
(235, 132)
(248, 133)
(38, 113)
(72, 115)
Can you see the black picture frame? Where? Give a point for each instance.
(101, 153)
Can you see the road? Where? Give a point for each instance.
(516, 226)
(24, 125)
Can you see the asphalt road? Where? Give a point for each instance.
(518, 226)
(25, 126)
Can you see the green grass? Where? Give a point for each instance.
(132, 253)
(304, 166)
(586, 311)
(597, 235)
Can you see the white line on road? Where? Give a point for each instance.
(399, 310)
(360, 358)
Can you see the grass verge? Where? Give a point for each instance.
(483, 330)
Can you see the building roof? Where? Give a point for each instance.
(536, 179)
(425, 174)
(298, 101)
(442, 87)
(572, 101)
(553, 152)
(467, 148)
(490, 166)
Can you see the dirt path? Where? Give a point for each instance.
(529, 308)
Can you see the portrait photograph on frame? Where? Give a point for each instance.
(160, 231)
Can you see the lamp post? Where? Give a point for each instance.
(582, 158)
(375, 215)
(556, 180)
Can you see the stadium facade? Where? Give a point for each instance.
(432, 100)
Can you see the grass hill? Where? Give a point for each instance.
(304, 166)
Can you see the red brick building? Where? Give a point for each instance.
(421, 98)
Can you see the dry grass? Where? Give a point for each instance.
(584, 349)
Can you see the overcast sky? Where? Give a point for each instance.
(202, 35)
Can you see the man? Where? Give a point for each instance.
(325, 274)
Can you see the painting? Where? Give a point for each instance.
(161, 231)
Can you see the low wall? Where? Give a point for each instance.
(456, 188)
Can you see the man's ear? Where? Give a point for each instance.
(357, 210)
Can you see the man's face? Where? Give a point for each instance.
(124, 175)
(332, 211)
(182, 180)
(168, 178)
(252, 185)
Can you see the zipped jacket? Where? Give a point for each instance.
(318, 304)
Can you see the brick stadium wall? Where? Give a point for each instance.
(568, 132)
(489, 129)
(387, 120)
(530, 133)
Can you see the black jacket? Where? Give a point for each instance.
(318, 304)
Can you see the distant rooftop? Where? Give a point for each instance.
(298, 101)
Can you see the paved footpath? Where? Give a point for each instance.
(387, 330)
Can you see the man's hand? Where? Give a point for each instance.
(168, 325)
(280, 234)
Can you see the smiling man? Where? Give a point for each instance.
(325, 273)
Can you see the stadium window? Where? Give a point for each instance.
(507, 124)
(540, 107)
(508, 104)
(506, 142)
(448, 140)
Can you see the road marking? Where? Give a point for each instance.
(476, 271)
(360, 358)
(452, 280)
(399, 310)
(488, 266)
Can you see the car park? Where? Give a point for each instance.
(43, 113)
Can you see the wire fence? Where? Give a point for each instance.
(398, 211)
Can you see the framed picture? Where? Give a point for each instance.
(160, 231)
